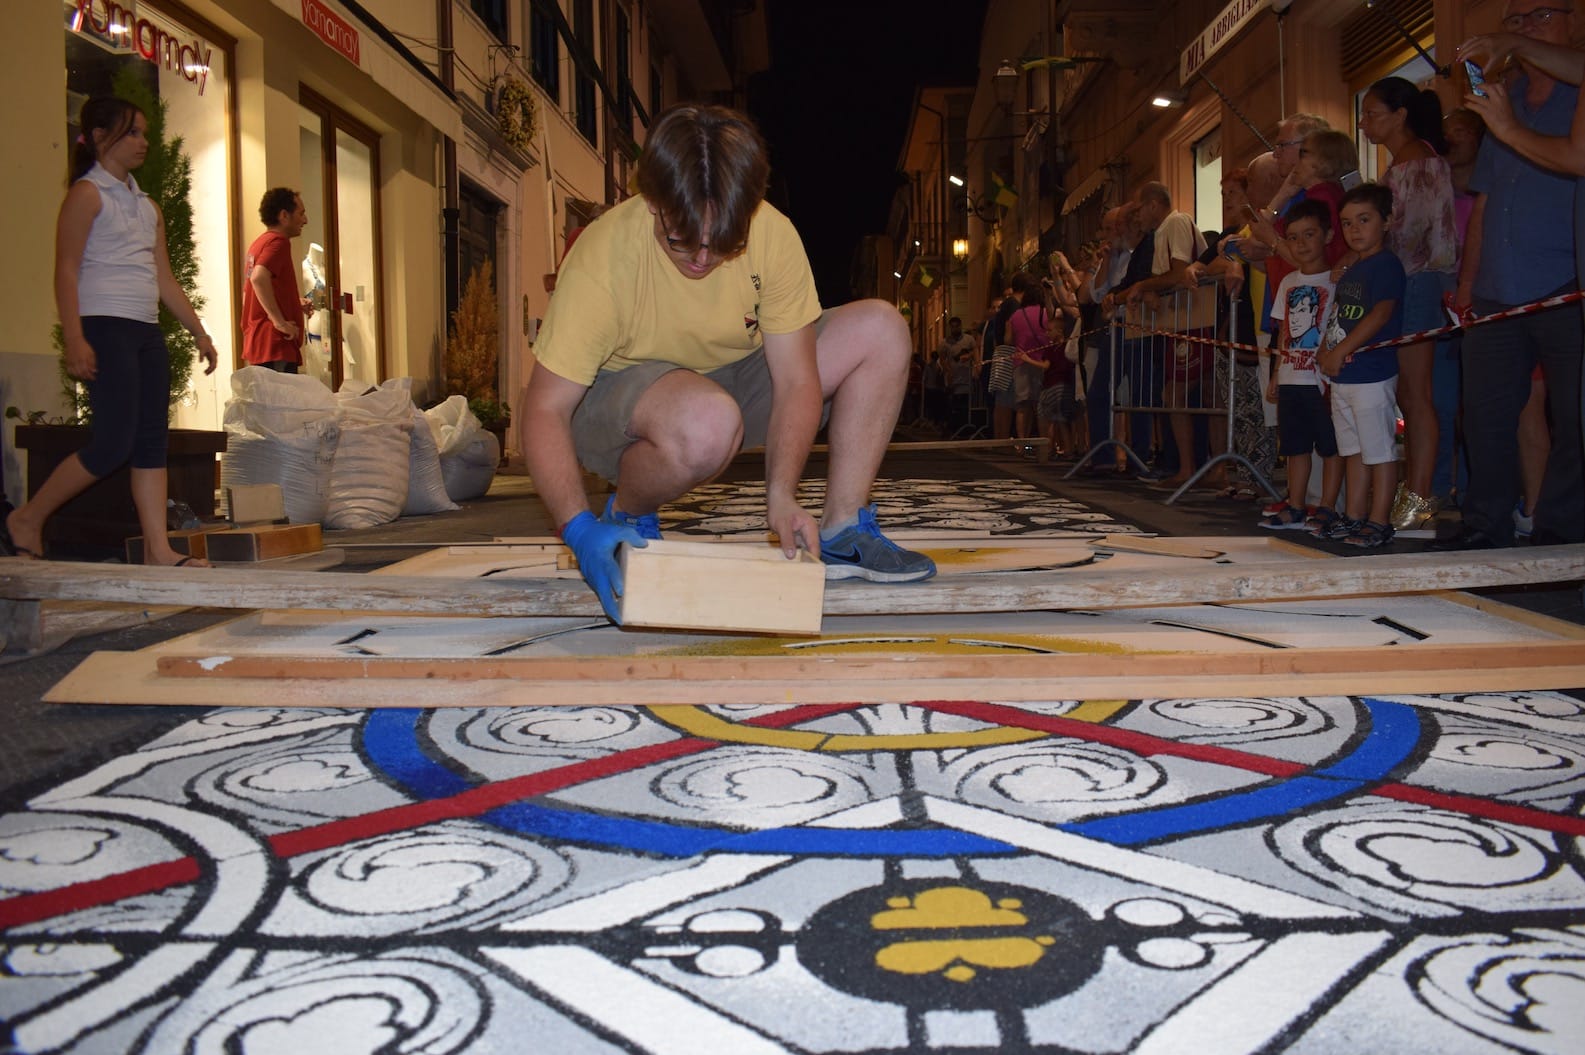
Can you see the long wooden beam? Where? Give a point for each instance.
(1275, 580)
(181, 677)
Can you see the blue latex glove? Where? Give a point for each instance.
(594, 543)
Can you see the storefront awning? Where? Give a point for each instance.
(1093, 183)
(363, 46)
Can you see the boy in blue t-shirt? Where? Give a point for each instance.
(1368, 308)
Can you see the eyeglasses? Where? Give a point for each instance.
(682, 247)
(1536, 17)
(1290, 142)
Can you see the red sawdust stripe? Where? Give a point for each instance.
(1145, 744)
(24, 909)
(1139, 743)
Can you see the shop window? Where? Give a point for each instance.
(493, 14)
(624, 71)
(183, 65)
(545, 49)
(1208, 181)
(585, 112)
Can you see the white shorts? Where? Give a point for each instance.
(1365, 418)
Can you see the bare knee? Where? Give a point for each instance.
(867, 329)
(704, 436)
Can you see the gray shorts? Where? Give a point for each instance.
(1027, 379)
(601, 424)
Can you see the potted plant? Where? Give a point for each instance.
(472, 360)
(103, 515)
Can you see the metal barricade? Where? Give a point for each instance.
(1165, 361)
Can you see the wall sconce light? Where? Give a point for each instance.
(1169, 100)
(960, 248)
(1004, 83)
(956, 181)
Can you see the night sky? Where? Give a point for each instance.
(834, 107)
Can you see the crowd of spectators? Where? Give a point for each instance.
(1471, 224)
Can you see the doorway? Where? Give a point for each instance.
(340, 265)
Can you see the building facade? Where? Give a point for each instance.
(1062, 122)
(425, 136)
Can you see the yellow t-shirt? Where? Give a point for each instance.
(620, 300)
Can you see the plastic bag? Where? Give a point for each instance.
(282, 429)
(369, 478)
(468, 454)
(426, 484)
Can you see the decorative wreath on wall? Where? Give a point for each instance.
(515, 113)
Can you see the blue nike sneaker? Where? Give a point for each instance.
(860, 551)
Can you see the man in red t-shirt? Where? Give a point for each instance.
(273, 310)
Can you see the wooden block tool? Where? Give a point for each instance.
(709, 586)
(262, 531)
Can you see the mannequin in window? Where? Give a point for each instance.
(316, 352)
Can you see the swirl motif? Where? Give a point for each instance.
(286, 1002)
(438, 878)
(1522, 992)
(761, 787)
(293, 784)
(1413, 861)
(1243, 719)
(1055, 780)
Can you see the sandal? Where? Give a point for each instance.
(1370, 535)
(9, 547)
(1320, 520)
(1285, 519)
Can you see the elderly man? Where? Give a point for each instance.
(1517, 251)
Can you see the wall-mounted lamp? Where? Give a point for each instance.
(1004, 83)
(956, 181)
(1169, 100)
(898, 275)
(960, 248)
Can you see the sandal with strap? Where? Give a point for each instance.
(1285, 519)
(1370, 535)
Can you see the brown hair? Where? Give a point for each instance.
(705, 158)
(1335, 150)
(102, 113)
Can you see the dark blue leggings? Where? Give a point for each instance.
(130, 396)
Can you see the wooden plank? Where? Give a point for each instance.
(926, 445)
(884, 665)
(135, 678)
(187, 541)
(1032, 591)
(21, 626)
(265, 542)
(1164, 547)
(708, 586)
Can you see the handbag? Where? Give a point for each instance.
(1002, 368)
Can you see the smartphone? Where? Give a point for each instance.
(1476, 78)
(1351, 179)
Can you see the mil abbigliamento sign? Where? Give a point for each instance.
(1224, 27)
